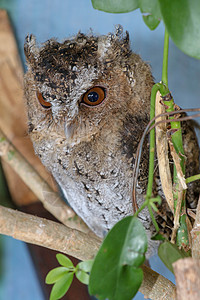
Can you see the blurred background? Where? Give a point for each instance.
(61, 19)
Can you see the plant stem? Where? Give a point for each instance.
(141, 208)
(165, 59)
(153, 218)
(192, 178)
(152, 142)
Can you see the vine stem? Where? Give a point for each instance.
(154, 91)
(163, 88)
(165, 59)
(192, 178)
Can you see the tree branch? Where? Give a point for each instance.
(46, 233)
(52, 235)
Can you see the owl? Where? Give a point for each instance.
(88, 101)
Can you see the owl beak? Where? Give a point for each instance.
(69, 130)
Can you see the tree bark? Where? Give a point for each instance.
(187, 273)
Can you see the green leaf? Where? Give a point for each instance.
(117, 261)
(151, 21)
(129, 278)
(182, 20)
(85, 266)
(55, 274)
(64, 261)
(82, 276)
(182, 238)
(82, 269)
(158, 237)
(115, 6)
(151, 7)
(151, 11)
(169, 253)
(61, 286)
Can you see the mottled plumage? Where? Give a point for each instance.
(90, 149)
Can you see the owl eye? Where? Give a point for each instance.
(43, 102)
(94, 96)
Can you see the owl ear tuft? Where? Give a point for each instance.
(31, 51)
(126, 39)
(114, 44)
(120, 36)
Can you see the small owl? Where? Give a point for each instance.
(88, 101)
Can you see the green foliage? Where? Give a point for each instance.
(115, 273)
(83, 268)
(64, 261)
(151, 7)
(151, 13)
(62, 276)
(169, 253)
(182, 238)
(151, 21)
(181, 18)
(55, 274)
(182, 21)
(115, 6)
(61, 286)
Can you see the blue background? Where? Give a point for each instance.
(63, 18)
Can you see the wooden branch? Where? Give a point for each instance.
(195, 233)
(52, 235)
(187, 273)
(12, 112)
(39, 186)
(46, 233)
(156, 287)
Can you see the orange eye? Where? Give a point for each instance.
(43, 102)
(94, 96)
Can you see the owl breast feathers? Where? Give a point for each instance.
(88, 102)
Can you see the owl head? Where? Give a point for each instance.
(77, 86)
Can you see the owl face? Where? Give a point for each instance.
(75, 83)
(87, 105)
